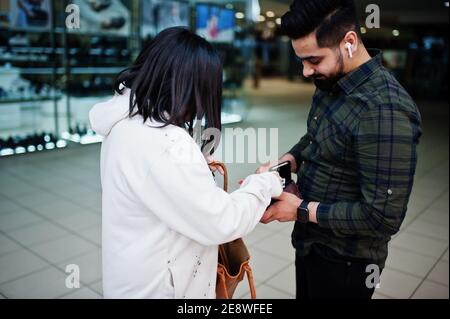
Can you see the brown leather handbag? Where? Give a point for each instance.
(233, 261)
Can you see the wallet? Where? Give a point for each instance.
(292, 188)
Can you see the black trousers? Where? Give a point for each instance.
(324, 274)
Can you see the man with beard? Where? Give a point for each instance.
(357, 161)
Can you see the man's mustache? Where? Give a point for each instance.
(319, 77)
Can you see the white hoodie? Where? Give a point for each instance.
(163, 216)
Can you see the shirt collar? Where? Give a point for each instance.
(358, 76)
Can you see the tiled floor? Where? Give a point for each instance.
(50, 214)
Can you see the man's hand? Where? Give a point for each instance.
(284, 210)
(287, 157)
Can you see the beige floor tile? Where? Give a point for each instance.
(97, 287)
(38, 233)
(48, 283)
(80, 221)
(265, 266)
(19, 263)
(445, 257)
(266, 292)
(7, 245)
(431, 230)
(439, 274)
(431, 290)
(7, 205)
(83, 293)
(18, 219)
(258, 234)
(410, 262)
(63, 248)
(420, 244)
(90, 266)
(243, 289)
(284, 281)
(93, 234)
(395, 284)
(278, 245)
(379, 296)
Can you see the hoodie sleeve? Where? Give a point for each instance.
(190, 203)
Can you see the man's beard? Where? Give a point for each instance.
(327, 83)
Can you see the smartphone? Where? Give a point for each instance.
(284, 169)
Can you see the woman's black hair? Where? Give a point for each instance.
(176, 79)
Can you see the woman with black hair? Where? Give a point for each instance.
(163, 216)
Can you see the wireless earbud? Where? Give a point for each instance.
(349, 47)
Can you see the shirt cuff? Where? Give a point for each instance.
(276, 186)
(323, 215)
(272, 182)
(297, 155)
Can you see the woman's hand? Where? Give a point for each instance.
(214, 168)
(266, 167)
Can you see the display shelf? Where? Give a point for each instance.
(28, 100)
(77, 70)
(32, 149)
(30, 144)
(83, 64)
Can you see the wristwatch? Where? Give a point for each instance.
(303, 212)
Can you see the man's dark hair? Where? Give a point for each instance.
(330, 19)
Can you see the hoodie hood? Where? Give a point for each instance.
(103, 116)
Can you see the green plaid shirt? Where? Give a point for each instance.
(358, 160)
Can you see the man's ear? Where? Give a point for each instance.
(350, 39)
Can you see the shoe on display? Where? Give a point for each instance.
(100, 5)
(3, 93)
(10, 143)
(113, 23)
(80, 130)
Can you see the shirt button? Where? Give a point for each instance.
(389, 192)
(315, 118)
(310, 142)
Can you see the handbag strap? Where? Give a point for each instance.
(251, 282)
(221, 275)
(247, 268)
(225, 175)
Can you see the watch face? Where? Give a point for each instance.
(303, 215)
